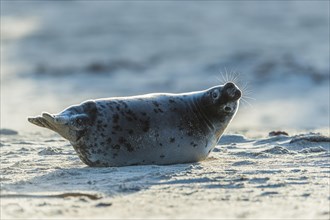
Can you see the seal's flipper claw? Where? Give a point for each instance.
(52, 122)
(47, 124)
(41, 122)
(48, 117)
(36, 121)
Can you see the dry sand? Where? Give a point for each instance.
(266, 178)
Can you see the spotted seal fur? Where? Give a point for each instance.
(157, 128)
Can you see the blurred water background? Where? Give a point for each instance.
(58, 53)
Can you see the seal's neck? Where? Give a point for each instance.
(196, 105)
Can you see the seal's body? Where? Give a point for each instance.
(148, 129)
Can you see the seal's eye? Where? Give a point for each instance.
(215, 94)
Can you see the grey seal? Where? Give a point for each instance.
(159, 128)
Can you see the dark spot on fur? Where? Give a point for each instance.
(116, 147)
(91, 110)
(162, 156)
(99, 151)
(172, 139)
(123, 103)
(129, 147)
(171, 101)
(160, 144)
(99, 128)
(115, 118)
(130, 131)
(155, 103)
(129, 118)
(145, 125)
(193, 144)
(109, 140)
(117, 128)
(143, 113)
(132, 114)
(121, 140)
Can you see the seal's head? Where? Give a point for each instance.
(221, 102)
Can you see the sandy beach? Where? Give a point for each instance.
(266, 178)
(57, 54)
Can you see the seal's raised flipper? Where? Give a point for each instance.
(45, 121)
(37, 121)
(64, 124)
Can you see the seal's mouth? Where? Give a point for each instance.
(231, 92)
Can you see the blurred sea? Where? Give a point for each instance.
(58, 53)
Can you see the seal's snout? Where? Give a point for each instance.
(232, 91)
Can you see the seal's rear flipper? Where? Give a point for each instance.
(61, 123)
(40, 121)
(68, 126)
